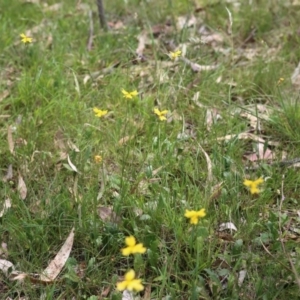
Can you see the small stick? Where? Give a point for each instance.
(101, 14)
(91, 32)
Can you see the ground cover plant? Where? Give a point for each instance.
(156, 160)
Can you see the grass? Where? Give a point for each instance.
(152, 171)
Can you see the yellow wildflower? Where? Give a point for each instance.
(161, 114)
(98, 159)
(99, 113)
(129, 95)
(280, 81)
(25, 39)
(195, 215)
(132, 246)
(130, 283)
(252, 185)
(174, 55)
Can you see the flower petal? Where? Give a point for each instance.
(139, 248)
(130, 241)
(129, 276)
(121, 286)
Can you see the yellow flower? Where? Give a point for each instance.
(132, 246)
(161, 114)
(129, 95)
(130, 283)
(195, 215)
(174, 55)
(252, 185)
(280, 81)
(99, 113)
(98, 159)
(25, 39)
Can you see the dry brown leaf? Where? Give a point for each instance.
(9, 174)
(105, 291)
(147, 292)
(195, 98)
(107, 214)
(296, 77)
(10, 140)
(254, 121)
(125, 139)
(209, 165)
(72, 166)
(116, 25)
(6, 206)
(59, 142)
(216, 191)
(4, 95)
(56, 265)
(228, 225)
(261, 154)
(22, 189)
(53, 7)
(3, 250)
(19, 276)
(73, 147)
(212, 115)
(5, 266)
(198, 68)
(186, 21)
(142, 38)
(246, 136)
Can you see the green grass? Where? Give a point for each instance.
(160, 171)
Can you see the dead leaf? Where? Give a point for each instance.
(225, 236)
(6, 206)
(186, 21)
(261, 154)
(216, 191)
(125, 139)
(5, 266)
(106, 291)
(116, 25)
(147, 292)
(195, 99)
(142, 38)
(228, 225)
(107, 214)
(77, 86)
(296, 77)
(56, 265)
(73, 167)
(209, 165)
(9, 174)
(254, 121)
(10, 140)
(22, 189)
(59, 142)
(242, 275)
(198, 68)
(4, 95)
(54, 7)
(3, 250)
(127, 295)
(19, 276)
(73, 147)
(246, 136)
(212, 115)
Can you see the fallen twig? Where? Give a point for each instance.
(91, 32)
(102, 15)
